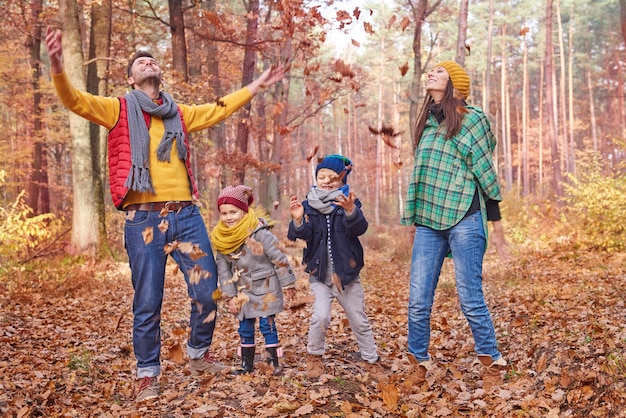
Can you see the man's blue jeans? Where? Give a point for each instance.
(466, 241)
(147, 264)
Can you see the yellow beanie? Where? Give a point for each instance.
(458, 76)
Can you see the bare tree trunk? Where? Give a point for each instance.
(592, 113)
(562, 100)
(462, 32)
(526, 174)
(541, 78)
(570, 80)
(506, 140)
(85, 217)
(550, 101)
(488, 75)
(379, 140)
(249, 61)
(420, 11)
(38, 192)
(622, 9)
(99, 48)
(179, 42)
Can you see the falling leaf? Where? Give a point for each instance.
(311, 154)
(368, 28)
(356, 43)
(337, 282)
(175, 353)
(164, 212)
(344, 69)
(170, 247)
(386, 132)
(278, 108)
(217, 294)
(210, 317)
(404, 68)
(356, 13)
(255, 246)
(343, 16)
(392, 20)
(147, 235)
(284, 130)
(404, 23)
(196, 274)
(524, 31)
(163, 225)
(301, 302)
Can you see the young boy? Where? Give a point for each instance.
(252, 273)
(330, 221)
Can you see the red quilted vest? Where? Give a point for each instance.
(120, 161)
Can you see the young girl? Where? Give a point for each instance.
(252, 273)
(330, 221)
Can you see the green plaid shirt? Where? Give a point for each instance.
(447, 172)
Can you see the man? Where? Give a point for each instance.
(151, 180)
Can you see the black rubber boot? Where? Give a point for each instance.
(272, 358)
(247, 360)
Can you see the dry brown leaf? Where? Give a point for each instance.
(163, 225)
(175, 353)
(147, 235)
(336, 280)
(255, 246)
(210, 317)
(390, 395)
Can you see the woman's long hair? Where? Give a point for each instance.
(452, 109)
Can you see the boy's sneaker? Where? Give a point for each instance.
(147, 388)
(206, 364)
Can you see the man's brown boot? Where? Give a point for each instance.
(492, 375)
(314, 366)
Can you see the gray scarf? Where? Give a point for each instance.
(136, 101)
(322, 200)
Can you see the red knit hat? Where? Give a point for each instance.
(240, 196)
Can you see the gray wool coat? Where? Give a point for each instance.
(261, 277)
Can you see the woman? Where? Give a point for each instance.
(453, 190)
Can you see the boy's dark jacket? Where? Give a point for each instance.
(346, 247)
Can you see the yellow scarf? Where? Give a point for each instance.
(226, 240)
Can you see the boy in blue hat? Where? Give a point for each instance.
(330, 221)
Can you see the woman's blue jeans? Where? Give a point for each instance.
(148, 258)
(466, 241)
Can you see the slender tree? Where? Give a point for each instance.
(550, 100)
(85, 216)
(38, 193)
(97, 69)
(179, 42)
(462, 33)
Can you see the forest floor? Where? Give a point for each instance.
(66, 348)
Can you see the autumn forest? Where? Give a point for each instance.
(549, 74)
